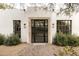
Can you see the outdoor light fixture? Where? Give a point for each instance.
(24, 25)
(53, 25)
(24, 10)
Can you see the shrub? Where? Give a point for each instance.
(2, 38)
(72, 40)
(12, 40)
(67, 51)
(61, 39)
(66, 39)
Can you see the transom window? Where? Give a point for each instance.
(17, 27)
(64, 26)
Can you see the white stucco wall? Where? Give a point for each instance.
(43, 14)
(6, 20)
(75, 24)
(7, 16)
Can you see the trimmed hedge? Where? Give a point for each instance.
(66, 39)
(12, 40)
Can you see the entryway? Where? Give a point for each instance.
(39, 30)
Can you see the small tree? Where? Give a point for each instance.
(6, 6)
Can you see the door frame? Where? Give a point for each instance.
(30, 29)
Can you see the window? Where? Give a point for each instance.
(17, 27)
(64, 26)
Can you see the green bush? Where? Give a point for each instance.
(12, 40)
(2, 38)
(73, 40)
(61, 39)
(66, 39)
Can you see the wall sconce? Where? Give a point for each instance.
(52, 25)
(24, 25)
(24, 10)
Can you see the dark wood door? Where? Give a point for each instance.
(39, 30)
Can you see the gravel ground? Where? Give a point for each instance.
(32, 50)
(39, 50)
(11, 50)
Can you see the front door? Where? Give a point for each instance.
(39, 30)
